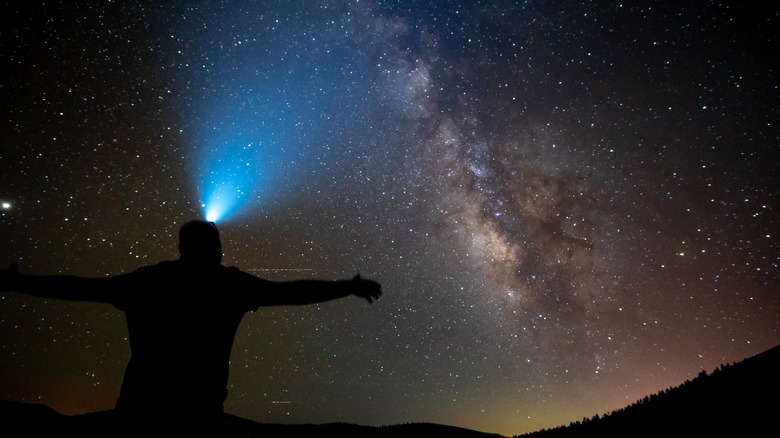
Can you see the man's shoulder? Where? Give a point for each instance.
(177, 269)
(239, 273)
(166, 265)
(178, 265)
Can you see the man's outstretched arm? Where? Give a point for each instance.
(301, 292)
(61, 287)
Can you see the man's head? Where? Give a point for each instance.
(199, 242)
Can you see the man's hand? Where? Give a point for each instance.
(369, 290)
(9, 277)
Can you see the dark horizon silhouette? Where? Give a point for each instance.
(737, 399)
(734, 399)
(182, 316)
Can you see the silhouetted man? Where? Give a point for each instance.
(182, 316)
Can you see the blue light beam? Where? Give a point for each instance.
(233, 175)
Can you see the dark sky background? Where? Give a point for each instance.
(570, 205)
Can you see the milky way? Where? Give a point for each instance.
(569, 205)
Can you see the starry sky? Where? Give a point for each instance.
(569, 204)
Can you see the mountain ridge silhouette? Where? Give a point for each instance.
(734, 399)
(738, 399)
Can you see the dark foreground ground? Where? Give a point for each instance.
(37, 420)
(735, 400)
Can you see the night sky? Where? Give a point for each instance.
(570, 205)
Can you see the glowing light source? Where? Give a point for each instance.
(231, 177)
(217, 206)
(5, 206)
(238, 153)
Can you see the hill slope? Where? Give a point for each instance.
(734, 400)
